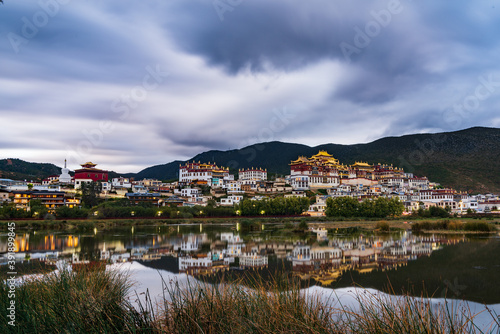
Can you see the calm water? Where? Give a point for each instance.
(458, 266)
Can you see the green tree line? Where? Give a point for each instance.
(278, 206)
(350, 207)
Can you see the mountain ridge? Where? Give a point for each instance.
(467, 159)
(463, 159)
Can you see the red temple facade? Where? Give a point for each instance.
(89, 173)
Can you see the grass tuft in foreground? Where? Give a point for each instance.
(281, 307)
(381, 313)
(87, 301)
(95, 301)
(266, 307)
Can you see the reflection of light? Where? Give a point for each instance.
(237, 226)
(132, 230)
(178, 229)
(95, 230)
(201, 228)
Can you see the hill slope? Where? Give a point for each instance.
(465, 160)
(17, 169)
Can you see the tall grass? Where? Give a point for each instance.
(87, 301)
(280, 306)
(95, 301)
(264, 307)
(381, 313)
(452, 225)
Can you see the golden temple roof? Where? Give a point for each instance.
(361, 164)
(300, 160)
(88, 164)
(322, 154)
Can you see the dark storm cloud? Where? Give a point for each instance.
(288, 35)
(232, 63)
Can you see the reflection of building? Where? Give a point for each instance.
(326, 264)
(360, 256)
(234, 249)
(230, 238)
(192, 242)
(252, 260)
(203, 265)
(307, 258)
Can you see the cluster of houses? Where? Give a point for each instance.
(201, 182)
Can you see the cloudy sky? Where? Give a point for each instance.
(129, 84)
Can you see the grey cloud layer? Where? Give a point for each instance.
(416, 70)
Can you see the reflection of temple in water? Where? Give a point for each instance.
(327, 264)
(199, 254)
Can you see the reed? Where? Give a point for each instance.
(96, 301)
(277, 306)
(87, 301)
(280, 306)
(381, 313)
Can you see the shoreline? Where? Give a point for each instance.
(321, 222)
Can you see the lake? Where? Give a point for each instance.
(438, 265)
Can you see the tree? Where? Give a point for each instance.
(37, 208)
(90, 193)
(350, 207)
(303, 226)
(66, 212)
(396, 207)
(342, 207)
